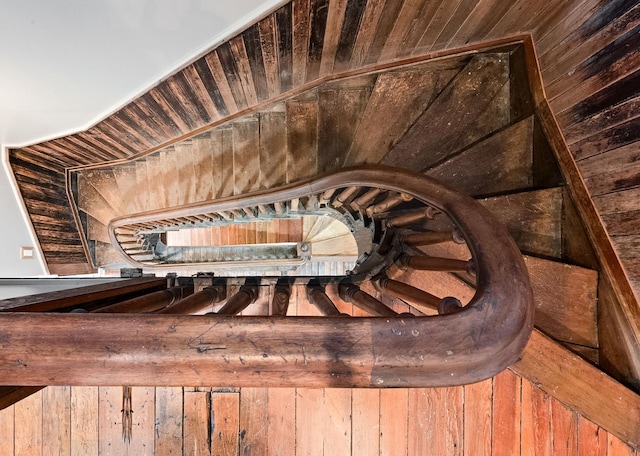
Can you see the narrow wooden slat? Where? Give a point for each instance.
(169, 417)
(205, 75)
(438, 22)
(402, 25)
(564, 429)
(28, 425)
(143, 420)
(478, 418)
(243, 65)
(56, 423)
(394, 408)
(223, 85)
(269, 49)
(225, 409)
(197, 423)
(284, 38)
(336, 423)
(366, 414)
(254, 427)
(85, 418)
(110, 419)
(335, 19)
(319, 11)
(301, 29)
(273, 149)
(351, 23)
(422, 427)
(383, 27)
(366, 32)
(309, 413)
(616, 447)
(281, 421)
(455, 21)
(506, 419)
(592, 441)
(7, 426)
(536, 420)
(207, 108)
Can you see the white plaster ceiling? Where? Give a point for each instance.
(65, 64)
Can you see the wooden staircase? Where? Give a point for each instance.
(492, 149)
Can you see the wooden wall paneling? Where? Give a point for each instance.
(347, 35)
(536, 419)
(365, 34)
(284, 40)
(612, 138)
(143, 420)
(336, 424)
(417, 27)
(222, 83)
(225, 423)
(203, 166)
(301, 17)
(384, 26)
(395, 40)
(309, 413)
(272, 149)
(121, 128)
(192, 102)
(246, 69)
(421, 429)
(163, 122)
(199, 428)
(394, 421)
(165, 103)
(318, 15)
(597, 31)
(110, 418)
(206, 76)
(168, 418)
(281, 421)
(269, 51)
(365, 422)
(506, 417)
(479, 22)
(28, 425)
(440, 19)
(7, 426)
(606, 66)
(36, 160)
(186, 174)
(564, 429)
(478, 418)
(454, 412)
(592, 440)
(229, 64)
(616, 447)
(195, 87)
(454, 22)
(79, 143)
(56, 420)
(86, 413)
(332, 35)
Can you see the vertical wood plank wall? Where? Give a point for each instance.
(506, 415)
(587, 49)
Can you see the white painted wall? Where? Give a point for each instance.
(66, 64)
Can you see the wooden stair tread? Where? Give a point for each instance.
(170, 164)
(126, 181)
(246, 159)
(499, 163)
(155, 176)
(97, 231)
(93, 203)
(105, 254)
(104, 181)
(186, 177)
(203, 151)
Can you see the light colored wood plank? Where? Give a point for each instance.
(197, 428)
(422, 429)
(580, 386)
(28, 425)
(536, 420)
(394, 413)
(254, 425)
(365, 421)
(281, 418)
(213, 61)
(142, 185)
(592, 441)
(336, 424)
(478, 418)
(56, 420)
(454, 413)
(302, 139)
(111, 440)
(225, 410)
(244, 69)
(143, 421)
(335, 18)
(185, 172)
(564, 429)
(84, 420)
(309, 413)
(506, 413)
(273, 149)
(617, 447)
(168, 440)
(246, 160)
(7, 431)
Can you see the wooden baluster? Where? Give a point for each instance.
(389, 203)
(345, 195)
(278, 206)
(225, 215)
(427, 263)
(350, 292)
(411, 295)
(432, 237)
(237, 213)
(367, 198)
(325, 198)
(317, 296)
(281, 295)
(312, 203)
(149, 302)
(247, 295)
(411, 217)
(197, 301)
(263, 209)
(294, 205)
(249, 211)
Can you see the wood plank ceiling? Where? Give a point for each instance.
(587, 49)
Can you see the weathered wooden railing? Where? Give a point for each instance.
(463, 344)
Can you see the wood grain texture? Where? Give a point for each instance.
(225, 422)
(253, 425)
(281, 420)
(84, 420)
(506, 417)
(168, 419)
(7, 425)
(478, 418)
(28, 426)
(197, 421)
(56, 423)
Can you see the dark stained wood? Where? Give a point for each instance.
(318, 14)
(353, 14)
(253, 47)
(474, 88)
(335, 18)
(284, 39)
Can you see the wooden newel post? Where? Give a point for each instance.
(317, 296)
(147, 303)
(197, 301)
(411, 295)
(247, 295)
(352, 293)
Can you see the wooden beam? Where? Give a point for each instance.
(582, 387)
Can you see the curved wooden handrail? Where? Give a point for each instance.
(475, 343)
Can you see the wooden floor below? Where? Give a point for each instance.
(506, 415)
